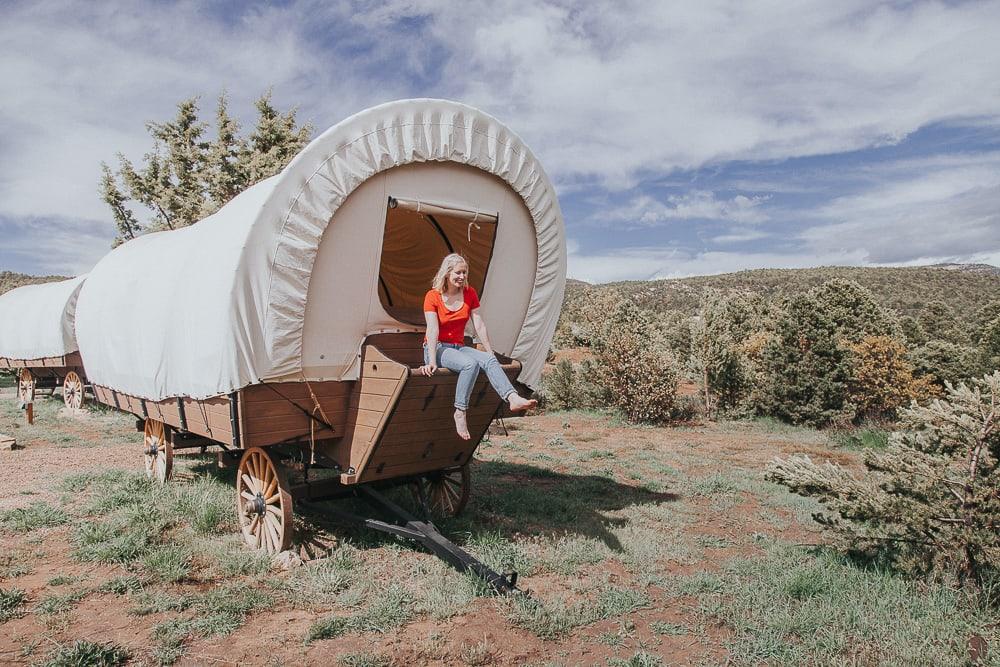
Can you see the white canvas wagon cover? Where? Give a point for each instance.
(263, 291)
(36, 321)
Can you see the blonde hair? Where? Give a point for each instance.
(447, 265)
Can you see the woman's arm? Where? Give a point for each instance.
(480, 324)
(432, 342)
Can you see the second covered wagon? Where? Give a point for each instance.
(38, 340)
(287, 326)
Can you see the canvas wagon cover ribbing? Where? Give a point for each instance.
(36, 321)
(217, 306)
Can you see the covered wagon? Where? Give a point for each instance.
(287, 326)
(38, 340)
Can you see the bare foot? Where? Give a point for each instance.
(520, 404)
(461, 427)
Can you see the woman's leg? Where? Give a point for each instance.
(498, 379)
(468, 370)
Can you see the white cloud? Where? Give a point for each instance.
(62, 246)
(606, 94)
(946, 209)
(696, 205)
(652, 263)
(609, 89)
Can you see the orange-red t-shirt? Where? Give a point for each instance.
(452, 323)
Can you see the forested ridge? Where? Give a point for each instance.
(965, 287)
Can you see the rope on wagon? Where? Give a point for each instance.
(312, 422)
(311, 415)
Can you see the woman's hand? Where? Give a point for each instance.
(428, 369)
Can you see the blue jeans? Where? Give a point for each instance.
(466, 361)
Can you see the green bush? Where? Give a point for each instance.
(941, 362)
(928, 503)
(635, 366)
(807, 370)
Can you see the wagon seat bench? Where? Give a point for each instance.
(320, 440)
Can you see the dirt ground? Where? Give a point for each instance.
(702, 485)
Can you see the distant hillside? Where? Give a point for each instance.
(9, 280)
(965, 287)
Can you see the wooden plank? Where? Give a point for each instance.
(280, 407)
(379, 386)
(408, 468)
(296, 391)
(363, 437)
(371, 402)
(272, 437)
(295, 420)
(438, 413)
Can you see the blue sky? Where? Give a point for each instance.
(683, 138)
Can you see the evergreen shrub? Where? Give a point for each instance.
(929, 503)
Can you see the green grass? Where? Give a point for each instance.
(59, 603)
(88, 654)
(122, 585)
(11, 603)
(671, 629)
(387, 609)
(34, 516)
(168, 563)
(556, 617)
(861, 439)
(320, 584)
(365, 659)
(639, 659)
(793, 607)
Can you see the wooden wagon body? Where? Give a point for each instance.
(391, 422)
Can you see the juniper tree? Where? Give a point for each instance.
(939, 322)
(989, 346)
(930, 502)
(943, 362)
(983, 319)
(807, 370)
(719, 355)
(855, 312)
(187, 176)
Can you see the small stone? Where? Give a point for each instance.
(8, 443)
(286, 560)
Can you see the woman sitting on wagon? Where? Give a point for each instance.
(448, 306)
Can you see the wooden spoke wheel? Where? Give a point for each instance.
(263, 503)
(73, 391)
(25, 387)
(158, 451)
(446, 491)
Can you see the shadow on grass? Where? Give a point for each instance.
(505, 499)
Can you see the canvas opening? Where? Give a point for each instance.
(417, 237)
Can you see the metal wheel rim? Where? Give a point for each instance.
(263, 503)
(158, 451)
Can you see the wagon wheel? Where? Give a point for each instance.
(158, 451)
(25, 387)
(263, 503)
(73, 391)
(446, 491)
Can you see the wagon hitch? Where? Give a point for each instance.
(425, 533)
